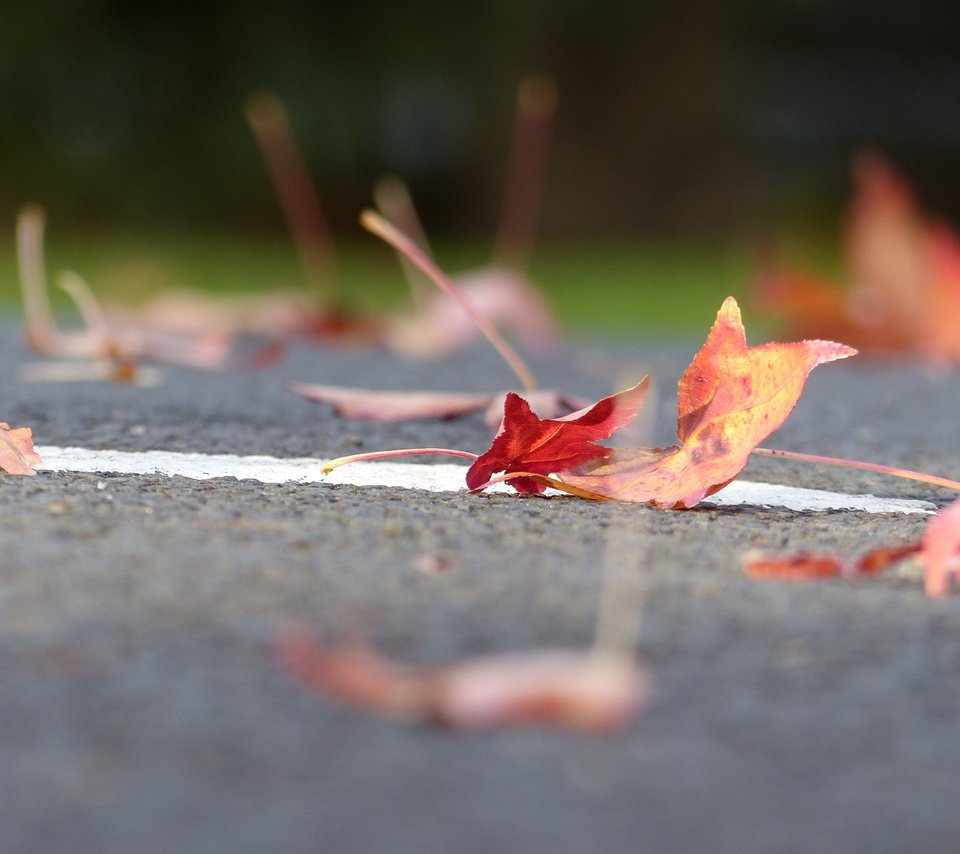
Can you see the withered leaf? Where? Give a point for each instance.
(809, 566)
(730, 399)
(17, 455)
(390, 406)
(586, 692)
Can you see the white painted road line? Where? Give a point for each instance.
(435, 478)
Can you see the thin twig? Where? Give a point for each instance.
(393, 200)
(399, 452)
(375, 223)
(529, 153)
(33, 281)
(893, 471)
(295, 191)
(89, 309)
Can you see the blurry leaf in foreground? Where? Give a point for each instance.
(940, 549)
(589, 692)
(17, 455)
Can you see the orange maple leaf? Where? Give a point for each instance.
(730, 399)
(17, 455)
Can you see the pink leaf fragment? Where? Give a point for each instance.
(940, 548)
(17, 455)
(586, 692)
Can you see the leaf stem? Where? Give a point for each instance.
(859, 464)
(375, 223)
(398, 452)
(529, 155)
(546, 480)
(295, 191)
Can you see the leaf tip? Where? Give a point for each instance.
(829, 351)
(730, 311)
(371, 220)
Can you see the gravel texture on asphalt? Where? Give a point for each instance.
(142, 711)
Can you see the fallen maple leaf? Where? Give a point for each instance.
(587, 692)
(902, 271)
(730, 399)
(527, 443)
(17, 455)
(390, 406)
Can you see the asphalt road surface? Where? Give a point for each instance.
(141, 710)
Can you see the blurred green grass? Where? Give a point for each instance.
(617, 290)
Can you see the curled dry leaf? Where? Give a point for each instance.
(586, 692)
(17, 455)
(391, 406)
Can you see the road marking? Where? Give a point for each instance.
(435, 478)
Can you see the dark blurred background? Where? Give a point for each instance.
(694, 118)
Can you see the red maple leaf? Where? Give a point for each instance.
(526, 443)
